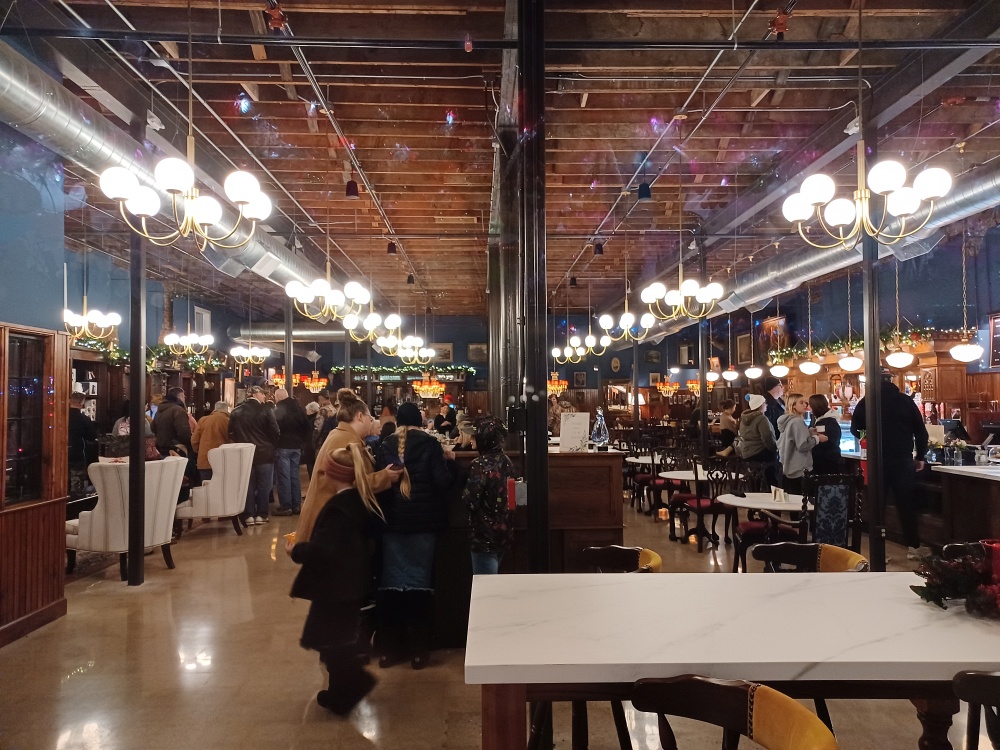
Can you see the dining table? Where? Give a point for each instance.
(763, 501)
(841, 636)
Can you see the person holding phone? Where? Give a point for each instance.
(825, 455)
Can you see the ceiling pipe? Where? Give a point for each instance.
(35, 104)
(275, 333)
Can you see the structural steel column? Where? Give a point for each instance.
(704, 352)
(137, 409)
(531, 59)
(289, 343)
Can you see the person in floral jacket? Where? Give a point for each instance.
(485, 496)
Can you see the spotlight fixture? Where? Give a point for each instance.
(598, 248)
(572, 282)
(645, 193)
(409, 280)
(390, 248)
(351, 191)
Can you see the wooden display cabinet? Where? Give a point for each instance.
(34, 407)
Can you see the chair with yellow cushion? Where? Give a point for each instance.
(616, 559)
(810, 558)
(771, 719)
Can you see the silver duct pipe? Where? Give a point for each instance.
(268, 333)
(34, 103)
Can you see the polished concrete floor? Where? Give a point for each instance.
(207, 656)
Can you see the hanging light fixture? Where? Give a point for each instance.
(91, 324)
(809, 366)
(752, 372)
(598, 248)
(844, 220)
(965, 351)
(730, 374)
(778, 369)
(898, 357)
(314, 383)
(251, 355)
(689, 298)
(574, 351)
(412, 350)
(591, 341)
(428, 386)
(554, 385)
(627, 320)
(392, 342)
(189, 343)
(194, 214)
(847, 359)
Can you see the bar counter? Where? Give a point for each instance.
(585, 509)
(971, 502)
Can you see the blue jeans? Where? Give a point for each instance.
(408, 561)
(486, 563)
(259, 491)
(286, 466)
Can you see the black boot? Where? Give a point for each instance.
(389, 627)
(420, 626)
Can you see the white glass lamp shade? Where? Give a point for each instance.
(606, 322)
(590, 341)
(715, 291)
(239, 351)
(241, 187)
(966, 352)
(372, 321)
(886, 177)
(381, 342)
(259, 208)
(118, 183)
(711, 376)
(407, 342)
(674, 370)
(306, 295)
(839, 213)
(391, 341)
(605, 341)
(903, 202)
(626, 321)
(556, 351)
(175, 176)
(673, 298)
(779, 371)
(206, 211)
(899, 359)
(753, 373)
(144, 202)
(568, 351)
(114, 319)
(336, 298)
(809, 367)
(293, 287)
(431, 353)
(932, 183)
(262, 352)
(417, 341)
(850, 363)
(351, 322)
(68, 317)
(647, 320)
(171, 339)
(206, 340)
(701, 296)
(689, 288)
(818, 189)
(796, 208)
(730, 375)
(96, 316)
(320, 287)
(647, 296)
(352, 289)
(363, 297)
(580, 351)
(574, 341)
(393, 321)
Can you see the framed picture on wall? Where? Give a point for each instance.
(478, 354)
(443, 353)
(685, 355)
(654, 378)
(773, 334)
(652, 357)
(744, 348)
(995, 340)
(580, 379)
(714, 364)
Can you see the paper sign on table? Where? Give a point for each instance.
(574, 429)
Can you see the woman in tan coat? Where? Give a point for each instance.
(354, 420)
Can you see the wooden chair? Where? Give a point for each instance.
(981, 690)
(225, 494)
(616, 559)
(771, 719)
(105, 528)
(836, 513)
(643, 474)
(761, 527)
(665, 458)
(712, 479)
(810, 558)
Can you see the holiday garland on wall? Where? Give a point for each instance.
(413, 370)
(116, 356)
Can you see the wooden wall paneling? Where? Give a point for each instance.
(3, 407)
(982, 383)
(477, 404)
(57, 437)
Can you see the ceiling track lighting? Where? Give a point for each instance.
(598, 248)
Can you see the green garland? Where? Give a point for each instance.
(456, 369)
(116, 356)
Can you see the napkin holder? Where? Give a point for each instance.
(778, 495)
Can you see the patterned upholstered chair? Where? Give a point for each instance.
(105, 528)
(225, 494)
(836, 515)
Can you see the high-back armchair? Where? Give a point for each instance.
(836, 500)
(105, 528)
(225, 494)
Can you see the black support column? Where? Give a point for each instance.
(704, 352)
(531, 59)
(137, 409)
(289, 343)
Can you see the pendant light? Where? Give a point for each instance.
(810, 366)
(965, 351)
(752, 372)
(732, 373)
(849, 362)
(898, 358)
(779, 369)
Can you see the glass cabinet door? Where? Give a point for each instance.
(25, 417)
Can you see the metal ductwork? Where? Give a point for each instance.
(34, 103)
(268, 333)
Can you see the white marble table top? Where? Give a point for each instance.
(567, 629)
(989, 473)
(682, 475)
(642, 460)
(763, 501)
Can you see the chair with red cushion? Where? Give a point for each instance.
(665, 459)
(714, 479)
(643, 472)
(764, 527)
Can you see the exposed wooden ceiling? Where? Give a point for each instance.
(420, 124)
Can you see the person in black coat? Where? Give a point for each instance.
(293, 430)
(337, 577)
(826, 455)
(416, 509)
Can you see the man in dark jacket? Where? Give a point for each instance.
(296, 430)
(253, 422)
(902, 429)
(82, 442)
(445, 421)
(773, 391)
(171, 425)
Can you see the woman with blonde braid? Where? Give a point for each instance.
(415, 511)
(336, 576)
(353, 424)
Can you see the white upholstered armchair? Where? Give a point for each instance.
(225, 494)
(105, 528)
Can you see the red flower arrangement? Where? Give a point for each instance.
(970, 577)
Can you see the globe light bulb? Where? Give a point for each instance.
(417, 341)
(711, 376)
(675, 370)
(206, 211)
(730, 375)
(556, 351)
(580, 351)
(903, 202)
(259, 208)
(647, 296)
(715, 291)
(144, 202)
(702, 297)
(171, 339)
(206, 340)
(606, 322)
(689, 287)
(68, 316)
(351, 321)
(372, 321)
(174, 175)
(95, 316)
(114, 319)
(381, 342)
(393, 321)
(753, 373)
(336, 298)
(568, 352)
(293, 287)
(408, 342)
(574, 341)
(306, 296)
(886, 176)
(605, 341)
(363, 297)
(590, 341)
(391, 341)
(118, 184)
(809, 367)
(320, 287)
(839, 212)
(648, 320)
(352, 289)
(932, 183)
(966, 352)
(796, 208)
(779, 371)
(626, 321)
(818, 189)
(899, 359)
(241, 187)
(431, 352)
(673, 298)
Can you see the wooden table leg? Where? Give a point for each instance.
(935, 717)
(504, 717)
